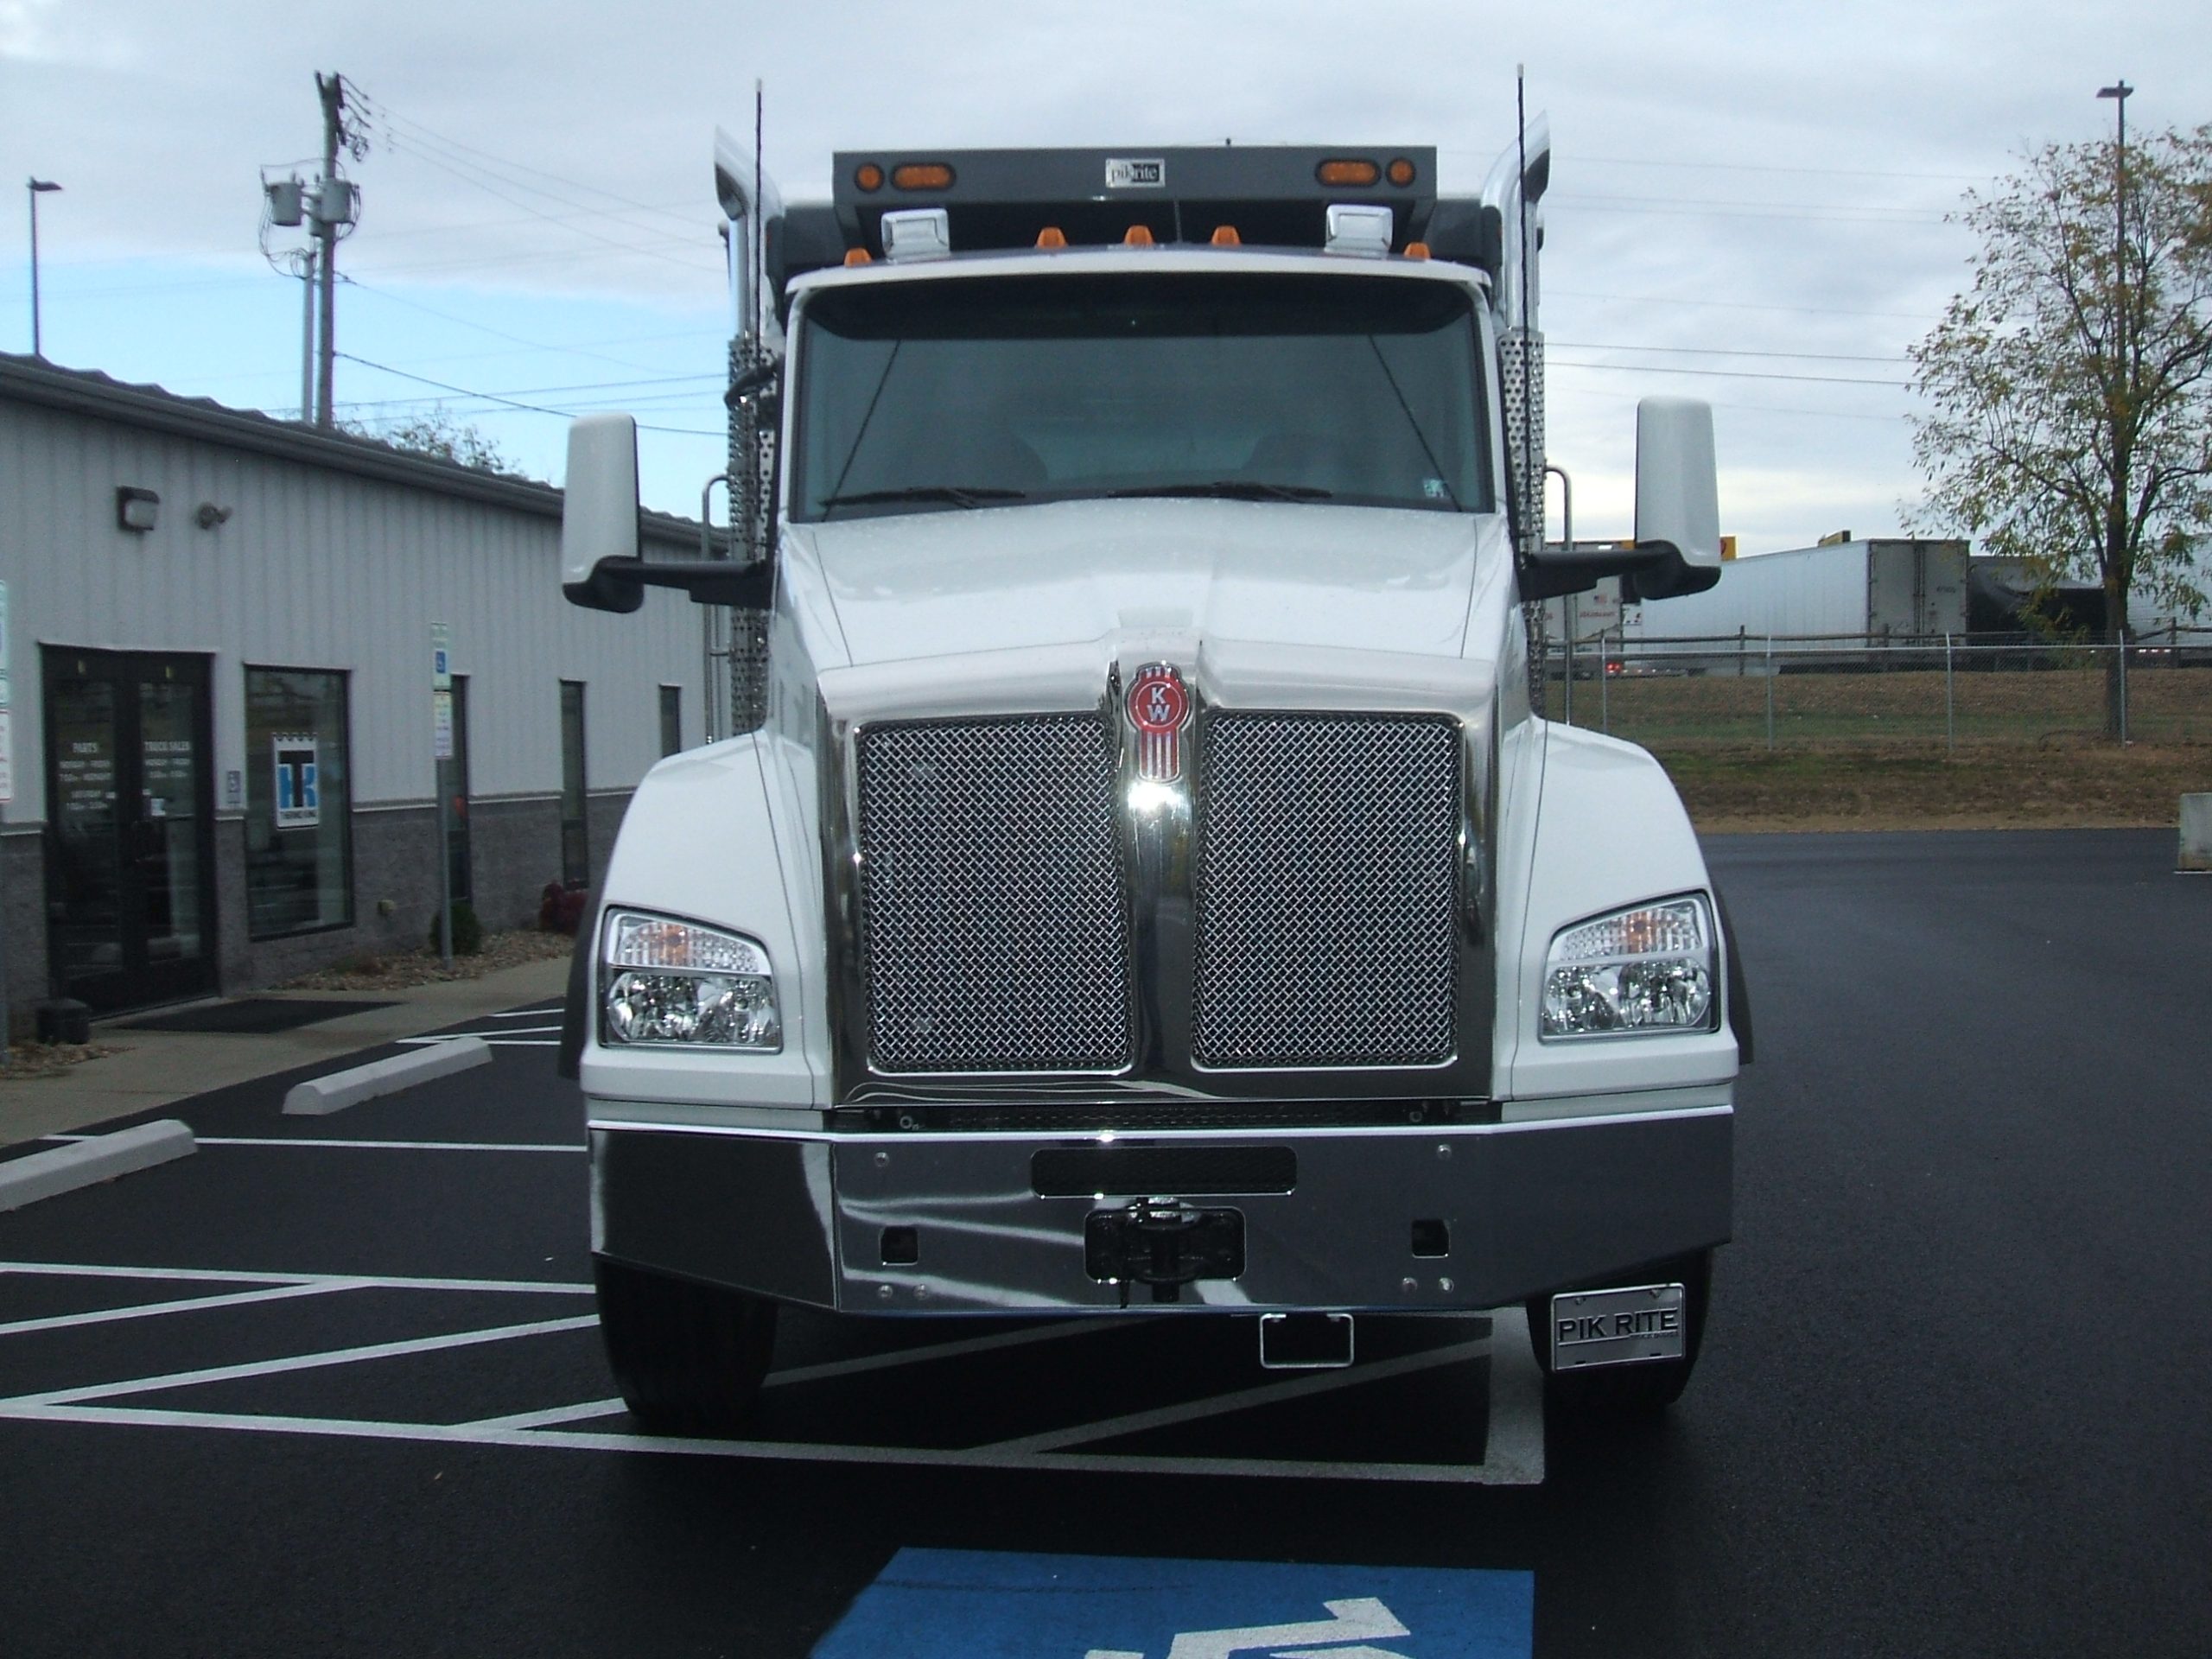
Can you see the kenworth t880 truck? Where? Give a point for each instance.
(1149, 889)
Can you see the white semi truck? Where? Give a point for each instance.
(1148, 890)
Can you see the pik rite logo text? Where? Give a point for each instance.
(1160, 708)
(1122, 174)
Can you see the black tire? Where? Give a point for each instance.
(688, 1357)
(1648, 1387)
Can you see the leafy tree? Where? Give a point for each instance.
(434, 432)
(2068, 391)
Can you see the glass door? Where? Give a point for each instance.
(130, 876)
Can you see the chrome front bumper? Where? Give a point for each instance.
(1453, 1217)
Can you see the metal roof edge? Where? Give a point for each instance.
(82, 391)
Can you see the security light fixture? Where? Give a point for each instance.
(135, 509)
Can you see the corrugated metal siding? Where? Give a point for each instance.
(316, 568)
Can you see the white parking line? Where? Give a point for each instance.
(369, 1146)
(186, 1304)
(489, 1042)
(341, 1281)
(767, 1451)
(1296, 1388)
(296, 1363)
(527, 1014)
(1513, 1456)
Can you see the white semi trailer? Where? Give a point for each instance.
(1149, 890)
(1894, 590)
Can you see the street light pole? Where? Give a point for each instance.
(37, 188)
(2116, 592)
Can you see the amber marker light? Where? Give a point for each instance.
(1051, 237)
(1351, 173)
(868, 176)
(1138, 237)
(1225, 236)
(922, 176)
(859, 257)
(1417, 250)
(1401, 172)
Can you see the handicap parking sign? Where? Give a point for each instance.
(951, 1603)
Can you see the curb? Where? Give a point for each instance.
(102, 1158)
(319, 1096)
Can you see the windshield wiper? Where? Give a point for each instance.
(1235, 489)
(958, 495)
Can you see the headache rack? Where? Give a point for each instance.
(1269, 195)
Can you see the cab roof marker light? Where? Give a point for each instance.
(1137, 237)
(1417, 250)
(1051, 237)
(922, 176)
(859, 257)
(1355, 174)
(1225, 236)
(917, 233)
(1401, 171)
(868, 176)
(1358, 229)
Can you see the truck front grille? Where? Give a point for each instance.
(994, 916)
(1328, 852)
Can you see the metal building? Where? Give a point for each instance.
(219, 767)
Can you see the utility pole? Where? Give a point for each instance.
(332, 91)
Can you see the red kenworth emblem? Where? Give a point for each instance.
(1160, 708)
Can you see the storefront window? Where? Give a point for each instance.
(299, 855)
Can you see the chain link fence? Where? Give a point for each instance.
(1750, 691)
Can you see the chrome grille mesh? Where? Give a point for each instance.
(1327, 855)
(994, 915)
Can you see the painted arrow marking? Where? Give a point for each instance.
(1361, 1618)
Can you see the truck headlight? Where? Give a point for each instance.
(1646, 969)
(669, 981)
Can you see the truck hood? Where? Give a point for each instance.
(941, 583)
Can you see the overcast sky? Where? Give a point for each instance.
(1748, 204)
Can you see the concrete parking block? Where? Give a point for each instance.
(102, 1158)
(319, 1097)
(2196, 832)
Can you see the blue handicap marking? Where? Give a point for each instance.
(955, 1604)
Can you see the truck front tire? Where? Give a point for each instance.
(1645, 1388)
(688, 1357)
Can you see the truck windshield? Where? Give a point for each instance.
(957, 393)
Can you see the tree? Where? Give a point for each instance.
(434, 432)
(2068, 391)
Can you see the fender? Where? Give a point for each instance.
(701, 843)
(1610, 832)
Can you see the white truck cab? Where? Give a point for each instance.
(1149, 888)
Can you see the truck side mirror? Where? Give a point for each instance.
(599, 514)
(1677, 498)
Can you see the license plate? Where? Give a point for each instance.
(1615, 1327)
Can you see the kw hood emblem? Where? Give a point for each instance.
(1160, 708)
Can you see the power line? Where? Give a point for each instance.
(1841, 216)
(1736, 305)
(391, 117)
(537, 212)
(497, 333)
(1728, 374)
(510, 403)
(1721, 351)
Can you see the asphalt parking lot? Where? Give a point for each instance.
(333, 1384)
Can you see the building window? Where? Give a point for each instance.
(454, 782)
(671, 719)
(299, 798)
(575, 840)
